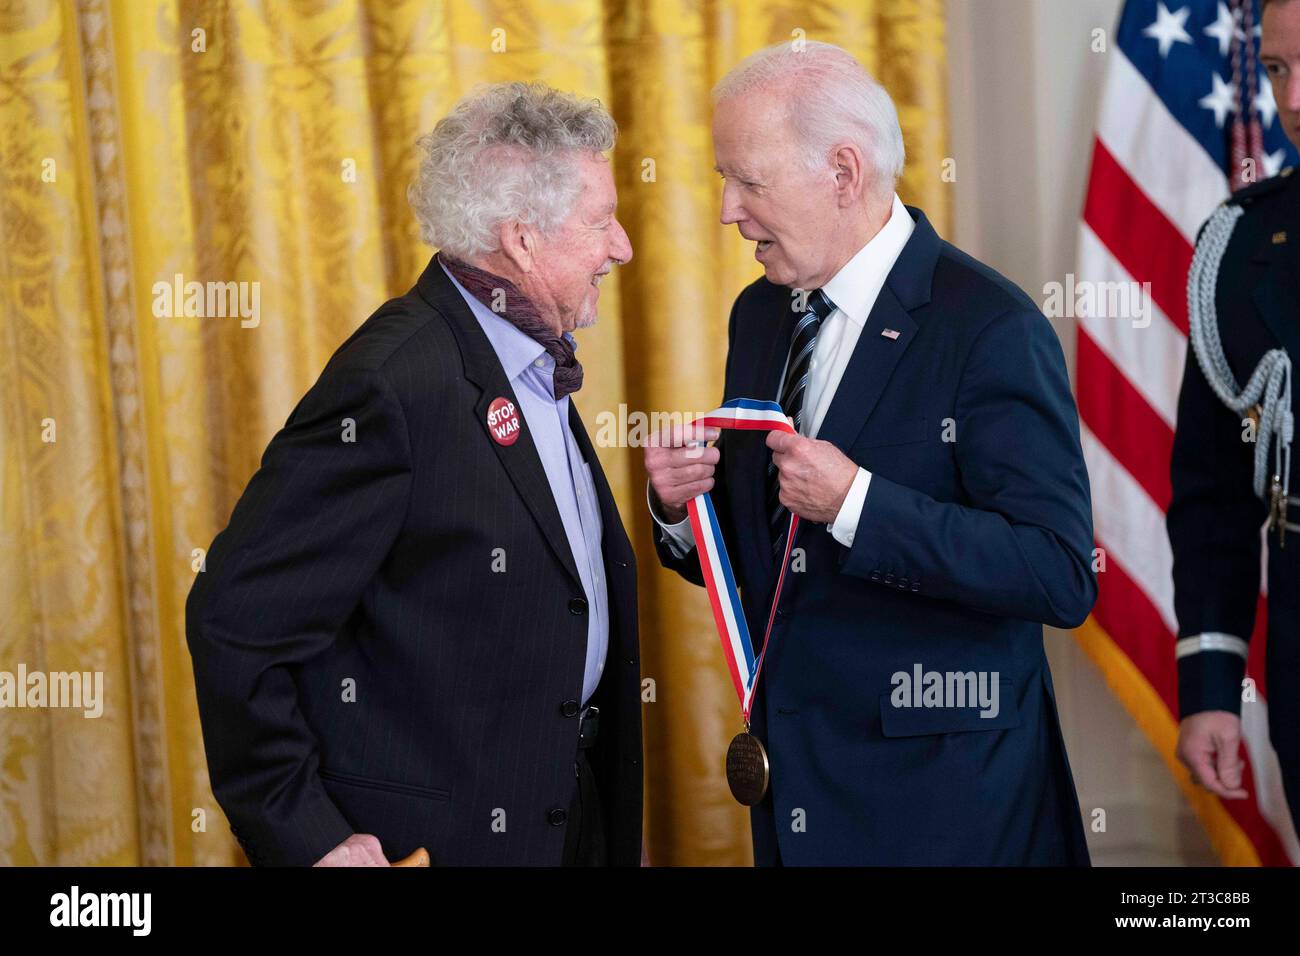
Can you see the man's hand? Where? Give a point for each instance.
(1209, 743)
(360, 849)
(815, 476)
(678, 473)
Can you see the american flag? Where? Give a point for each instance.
(1185, 104)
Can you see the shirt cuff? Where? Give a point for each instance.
(845, 526)
(679, 537)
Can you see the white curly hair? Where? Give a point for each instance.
(507, 151)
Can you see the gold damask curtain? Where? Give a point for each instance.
(271, 142)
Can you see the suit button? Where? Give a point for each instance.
(889, 578)
(902, 584)
(875, 575)
(569, 708)
(577, 606)
(916, 586)
(556, 817)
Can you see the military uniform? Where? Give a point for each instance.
(1217, 509)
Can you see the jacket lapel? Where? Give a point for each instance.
(868, 371)
(907, 287)
(619, 558)
(750, 456)
(617, 546)
(483, 370)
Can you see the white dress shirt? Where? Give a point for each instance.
(854, 290)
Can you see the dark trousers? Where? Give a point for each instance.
(584, 838)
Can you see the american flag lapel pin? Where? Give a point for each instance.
(890, 333)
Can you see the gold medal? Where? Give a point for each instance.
(747, 769)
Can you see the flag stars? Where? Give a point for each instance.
(1168, 28)
(1264, 102)
(1223, 29)
(1273, 163)
(1220, 99)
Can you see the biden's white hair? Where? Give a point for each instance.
(831, 98)
(505, 152)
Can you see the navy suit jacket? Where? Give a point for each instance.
(976, 531)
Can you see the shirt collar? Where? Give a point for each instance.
(515, 350)
(855, 287)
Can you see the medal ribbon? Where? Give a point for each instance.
(719, 581)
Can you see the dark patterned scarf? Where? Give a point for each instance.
(523, 315)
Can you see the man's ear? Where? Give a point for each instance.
(518, 244)
(850, 174)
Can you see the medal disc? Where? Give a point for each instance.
(747, 769)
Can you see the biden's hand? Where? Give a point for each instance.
(815, 476)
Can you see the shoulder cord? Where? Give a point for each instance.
(1272, 376)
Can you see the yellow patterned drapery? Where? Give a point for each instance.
(272, 142)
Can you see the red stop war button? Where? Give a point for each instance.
(503, 421)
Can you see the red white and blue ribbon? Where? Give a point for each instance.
(719, 580)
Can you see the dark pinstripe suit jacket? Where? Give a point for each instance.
(361, 666)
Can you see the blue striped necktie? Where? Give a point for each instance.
(793, 388)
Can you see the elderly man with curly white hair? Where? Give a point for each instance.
(418, 630)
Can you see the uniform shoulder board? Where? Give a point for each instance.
(1265, 187)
